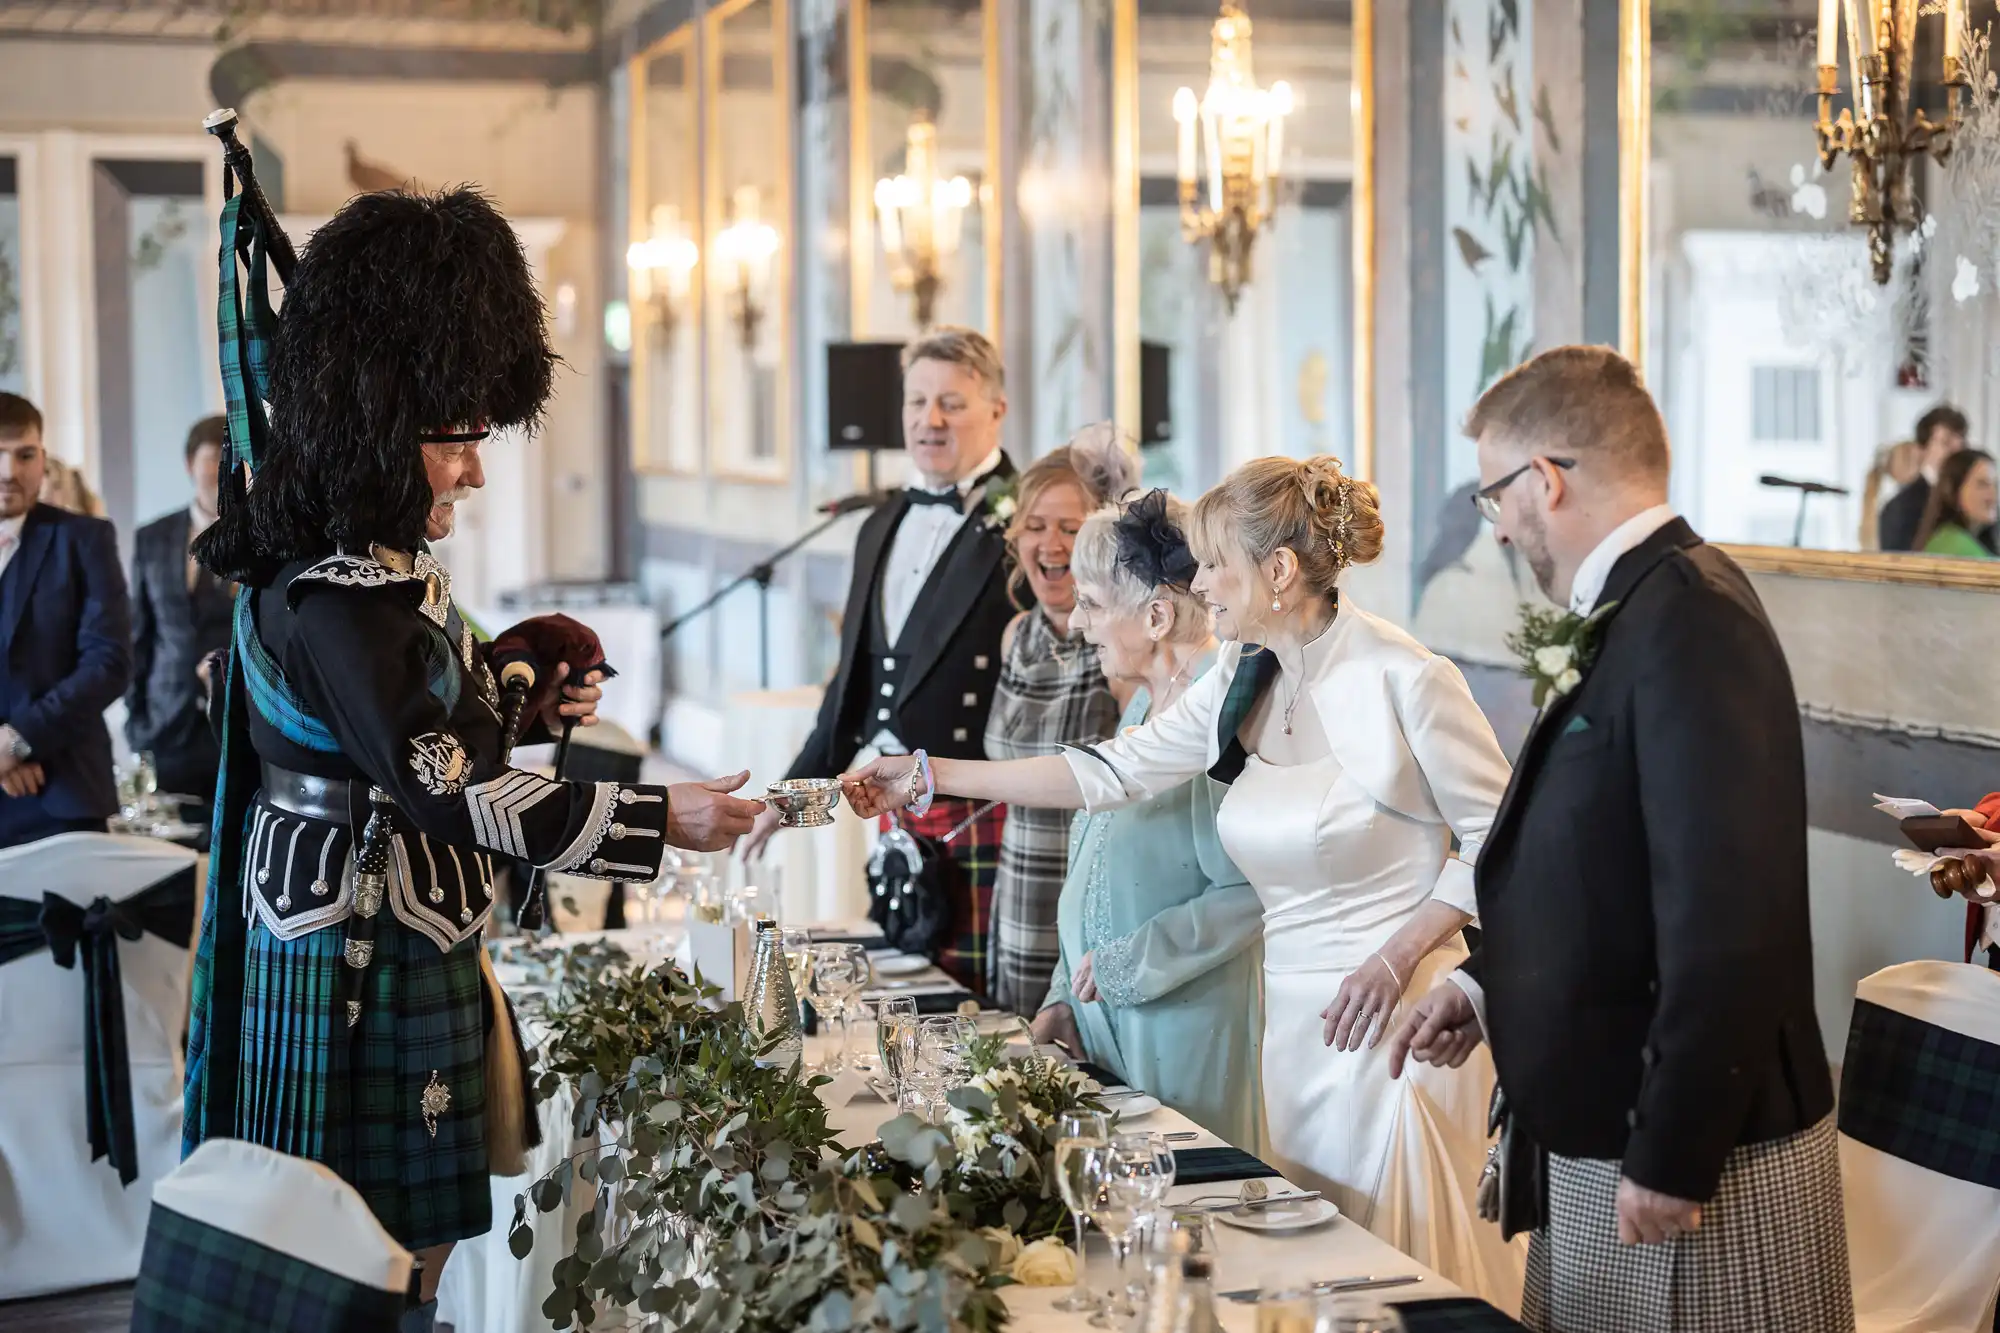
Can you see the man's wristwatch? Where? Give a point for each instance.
(15, 743)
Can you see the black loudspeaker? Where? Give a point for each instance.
(1156, 395)
(864, 395)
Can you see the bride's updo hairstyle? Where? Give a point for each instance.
(1329, 519)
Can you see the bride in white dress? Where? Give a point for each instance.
(1354, 756)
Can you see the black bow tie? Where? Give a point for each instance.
(951, 499)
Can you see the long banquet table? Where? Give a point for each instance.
(486, 1290)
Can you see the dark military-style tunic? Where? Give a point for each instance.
(359, 672)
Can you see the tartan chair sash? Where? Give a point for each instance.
(1254, 673)
(71, 932)
(1922, 1093)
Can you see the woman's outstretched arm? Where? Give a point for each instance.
(887, 784)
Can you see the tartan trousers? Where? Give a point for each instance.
(967, 957)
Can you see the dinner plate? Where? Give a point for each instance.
(1281, 1216)
(900, 965)
(1131, 1108)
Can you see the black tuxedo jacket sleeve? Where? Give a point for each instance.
(1902, 515)
(952, 642)
(172, 630)
(1646, 953)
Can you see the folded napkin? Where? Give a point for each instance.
(1204, 1166)
(872, 940)
(1459, 1314)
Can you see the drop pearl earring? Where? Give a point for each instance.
(1275, 605)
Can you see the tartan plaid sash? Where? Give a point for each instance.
(1923, 1093)
(1254, 672)
(244, 334)
(92, 933)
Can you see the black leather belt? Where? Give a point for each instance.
(307, 796)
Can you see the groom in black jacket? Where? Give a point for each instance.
(1645, 970)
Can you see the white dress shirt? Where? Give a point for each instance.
(919, 543)
(10, 539)
(1588, 585)
(1584, 591)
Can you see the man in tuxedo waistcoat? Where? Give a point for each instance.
(65, 648)
(180, 614)
(1644, 973)
(927, 605)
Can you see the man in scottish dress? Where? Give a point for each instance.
(338, 1015)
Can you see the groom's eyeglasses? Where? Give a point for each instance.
(1487, 498)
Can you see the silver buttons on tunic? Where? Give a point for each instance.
(465, 916)
(437, 893)
(321, 888)
(617, 830)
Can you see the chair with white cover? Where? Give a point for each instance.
(1920, 1147)
(243, 1239)
(93, 998)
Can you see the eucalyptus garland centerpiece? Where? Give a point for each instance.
(719, 1200)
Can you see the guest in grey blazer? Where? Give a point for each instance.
(180, 613)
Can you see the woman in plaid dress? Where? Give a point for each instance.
(1051, 693)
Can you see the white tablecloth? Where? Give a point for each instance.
(486, 1289)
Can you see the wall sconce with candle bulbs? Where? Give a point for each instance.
(1231, 144)
(1881, 134)
(744, 253)
(662, 270)
(921, 217)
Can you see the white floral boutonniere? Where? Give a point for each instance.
(998, 497)
(1556, 648)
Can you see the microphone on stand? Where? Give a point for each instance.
(852, 504)
(1806, 487)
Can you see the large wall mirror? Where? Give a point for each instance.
(747, 288)
(923, 144)
(664, 256)
(1275, 373)
(1796, 356)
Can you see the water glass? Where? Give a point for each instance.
(1077, 1133)
(839, 971)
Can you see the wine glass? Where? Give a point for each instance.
(839, 971)
(1077, 1133)
(1130, 1187)
(895, 1040)
(943, 1042)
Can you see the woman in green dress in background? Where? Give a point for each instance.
(1159, 978)
(1964, 502)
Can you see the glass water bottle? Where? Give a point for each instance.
(770, 1007)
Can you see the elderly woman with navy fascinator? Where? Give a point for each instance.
(1158, 978)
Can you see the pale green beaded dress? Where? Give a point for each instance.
(1173, 930)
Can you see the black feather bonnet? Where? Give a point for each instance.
(408, 314)
(1151, 546)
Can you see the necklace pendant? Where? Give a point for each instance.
(1288, 728)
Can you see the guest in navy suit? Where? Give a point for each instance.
(65, 648)
(180, 614)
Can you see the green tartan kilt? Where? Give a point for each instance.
(353, 1098)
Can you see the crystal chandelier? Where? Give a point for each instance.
(746, 251)
(1881, 134)
(662, 268)
(922, 217)
(1231, 145)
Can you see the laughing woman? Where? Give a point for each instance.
(1051, 694)
(1158, 980)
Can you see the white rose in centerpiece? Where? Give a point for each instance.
(1006, 1247)
(1046, 1263)
(1553, 660)
(1568, 681)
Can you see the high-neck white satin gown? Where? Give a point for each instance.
(1343, 850)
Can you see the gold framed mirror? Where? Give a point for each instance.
(1794, 367)
(663, 256)
(747, 211)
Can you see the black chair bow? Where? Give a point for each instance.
(93, 933)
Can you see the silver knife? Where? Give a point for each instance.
(1264, 1202)
(1249, 1294)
